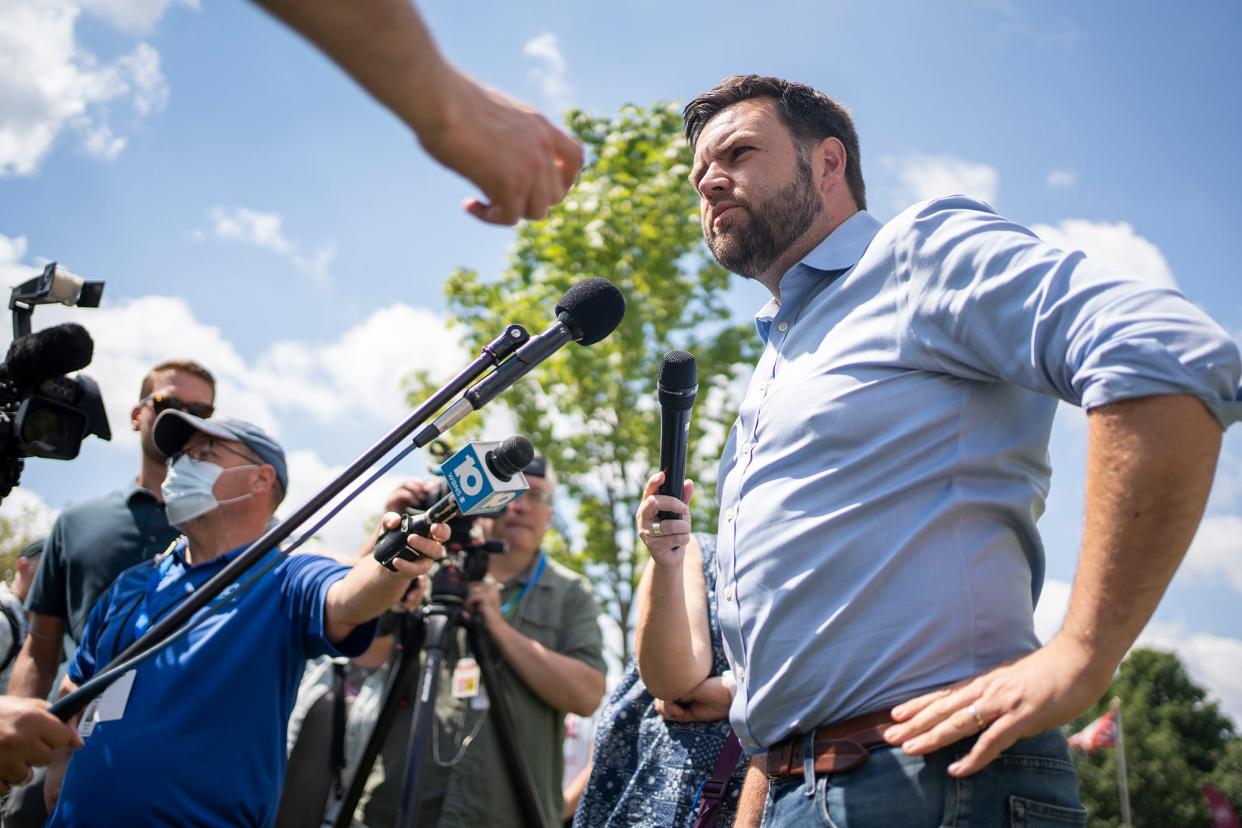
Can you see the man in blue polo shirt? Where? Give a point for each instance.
(196, 733)
(95, 540)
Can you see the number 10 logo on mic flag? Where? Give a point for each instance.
(475, 488)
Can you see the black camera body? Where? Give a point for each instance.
(43, 412)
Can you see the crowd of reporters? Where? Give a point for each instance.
(213, 712)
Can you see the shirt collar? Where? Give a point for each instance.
(134, 490)
(178, 553)
(529, 571)
(837, 253)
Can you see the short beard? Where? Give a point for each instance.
(752, 248)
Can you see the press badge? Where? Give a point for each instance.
(107, 707)
(466, 679)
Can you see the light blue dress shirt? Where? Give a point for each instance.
(880, 488)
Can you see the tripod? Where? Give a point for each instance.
(431, 629)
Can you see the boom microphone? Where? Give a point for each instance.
(473, 490)
(678, 383)
(51, 352)
(587, 313)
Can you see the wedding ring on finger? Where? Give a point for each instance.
(656, 531)
(978, 719)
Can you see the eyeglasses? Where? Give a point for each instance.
(536, 496)
(206, 452)
(161, 403)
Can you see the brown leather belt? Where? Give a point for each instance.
(839, 747)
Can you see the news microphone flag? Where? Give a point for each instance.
(474, 483)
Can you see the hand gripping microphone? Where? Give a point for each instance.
(476, 487)
(587, 313)
(678, 383)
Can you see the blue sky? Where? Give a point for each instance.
(250, 207)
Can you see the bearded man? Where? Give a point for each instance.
(878, 561)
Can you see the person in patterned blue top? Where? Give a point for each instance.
(652, 756)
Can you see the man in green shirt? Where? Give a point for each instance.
(542, 619)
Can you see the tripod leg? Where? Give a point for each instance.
(398, 687)
(440, 623)
(519, 771)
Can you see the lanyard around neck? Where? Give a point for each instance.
(511, 606)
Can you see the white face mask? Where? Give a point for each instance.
(189, 489)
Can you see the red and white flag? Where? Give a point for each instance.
(1223, 815)
(1099, 734)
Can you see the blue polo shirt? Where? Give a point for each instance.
(202, 738)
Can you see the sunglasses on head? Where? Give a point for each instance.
(161, 403)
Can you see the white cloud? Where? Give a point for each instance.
(1211, 660)
(50, 83)
(926, 176)
(1053, 602)
(348, 529)
(361, 371)
(551, 70)
(13, 268)
(1060, 179)
(133, 15)
(28, 513)
(1111, 243)
(266, 230)
(1216, 553)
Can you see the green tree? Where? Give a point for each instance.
(1175, 740)
(632, 218)
(16, 530)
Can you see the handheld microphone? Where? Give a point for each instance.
(476, 487)
(678, 383)
(588, 312)
(51, 352)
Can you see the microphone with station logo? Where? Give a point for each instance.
(482, 479)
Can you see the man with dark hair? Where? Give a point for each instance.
(195, 734)
(878, 555)
(94, 541)
(543, 621)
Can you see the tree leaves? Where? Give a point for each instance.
(632, 218)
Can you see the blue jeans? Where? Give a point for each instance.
(1031, 785)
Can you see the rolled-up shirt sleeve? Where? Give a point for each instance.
(989, 300)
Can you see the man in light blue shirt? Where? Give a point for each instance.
(878, 557)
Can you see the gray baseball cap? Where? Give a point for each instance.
(174, 428)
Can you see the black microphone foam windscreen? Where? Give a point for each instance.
(678, 380)
(61, 349)
(511, 456)
(595, 308)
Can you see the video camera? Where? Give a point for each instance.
(44, 413)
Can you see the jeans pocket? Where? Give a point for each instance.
(1029, 813)
(821, 802)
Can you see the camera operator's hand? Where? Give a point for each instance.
(484, 598)
(413, 597)
(29, 737)
(412, 494)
